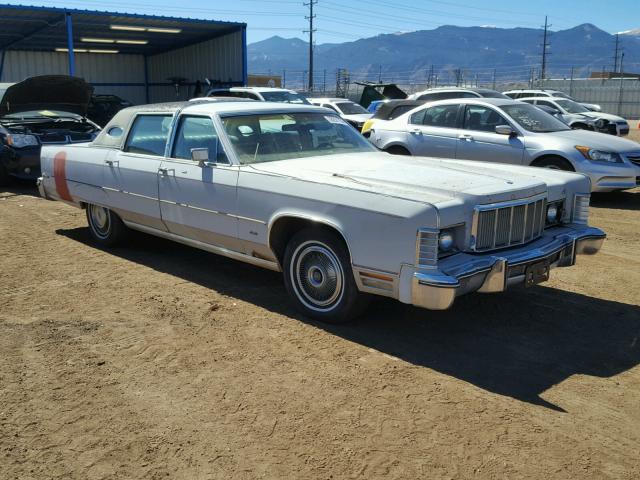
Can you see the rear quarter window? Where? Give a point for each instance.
(149, 135)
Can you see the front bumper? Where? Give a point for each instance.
(493, 272)
(607, 178)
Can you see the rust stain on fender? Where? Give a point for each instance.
(60, 176)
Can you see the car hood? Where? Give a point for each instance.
(358, 117)
(47, 92)
(600, 141)
(429, 180)
(606, 116)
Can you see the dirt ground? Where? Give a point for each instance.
(160, 361)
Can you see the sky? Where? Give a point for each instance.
(347, 20)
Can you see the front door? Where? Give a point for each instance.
(198, 199)
(131, 175)
(433, 131)
(478, 139)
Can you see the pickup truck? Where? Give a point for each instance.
(294, 188)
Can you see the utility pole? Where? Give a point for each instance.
(380, 74)
(571, 84)
(615, 54)
(545, 44)
(621, 86)
(494, 79)
(310, 31)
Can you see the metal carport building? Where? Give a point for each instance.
(141, 58)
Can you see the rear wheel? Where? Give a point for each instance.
(4, 176)
(555, 163)
(105, 227)
(319, 279)
(397, 150)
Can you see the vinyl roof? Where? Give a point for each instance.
(44, 29)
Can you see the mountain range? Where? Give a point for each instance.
(512, 52)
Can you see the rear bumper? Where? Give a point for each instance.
(495, 272)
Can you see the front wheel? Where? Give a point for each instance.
(319, 279)
(4, 176)
(105, 227)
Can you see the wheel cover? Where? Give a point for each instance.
(100, 218)
(317, 276)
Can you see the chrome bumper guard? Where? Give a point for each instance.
(493, 272)
(40, 185)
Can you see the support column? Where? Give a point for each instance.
(2, 54)
(72, 58)
(245, 73)
(146, 79)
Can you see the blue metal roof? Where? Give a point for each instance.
(25, 27)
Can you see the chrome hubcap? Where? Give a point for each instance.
(317, 276)
(100, 220)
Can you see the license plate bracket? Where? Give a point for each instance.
(536, 273)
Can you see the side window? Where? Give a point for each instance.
(484, 119)
(546, 104)
(467, 95)
(428, 97)
(148, 135)
(326, 105)
(197, 132)
(439, 116)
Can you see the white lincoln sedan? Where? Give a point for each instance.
(295, 189)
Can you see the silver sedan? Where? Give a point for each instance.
(508, 131)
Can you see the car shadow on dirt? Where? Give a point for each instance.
(519, 343)
(19, 188)
(626, 200)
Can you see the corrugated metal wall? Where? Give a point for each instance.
(94, 68)
(219, 59)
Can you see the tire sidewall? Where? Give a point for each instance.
(349, 303)
(114, 233)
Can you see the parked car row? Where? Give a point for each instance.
(509, 131)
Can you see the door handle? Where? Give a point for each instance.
(466, 137)
(164, 172)
(111, 163)
(416, 131)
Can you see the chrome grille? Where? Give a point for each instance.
(634, 157)
(514, 223)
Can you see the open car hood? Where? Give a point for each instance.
(47, 92)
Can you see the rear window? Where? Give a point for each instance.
(148, 135)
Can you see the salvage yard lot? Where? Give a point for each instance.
(162, 361)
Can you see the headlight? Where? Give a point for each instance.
(445, 241)
(554, 214)
(599, 155)
(18, 140)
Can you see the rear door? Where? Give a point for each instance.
(479, 141)
(434, 131)
(131, 174)
(198, 201)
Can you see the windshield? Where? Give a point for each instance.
(571, 106)
(561, 95)
(533, 119)
(350, 108)
(281, 136)
(284, 97)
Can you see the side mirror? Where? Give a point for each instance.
(200, 155)
(505, 130)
